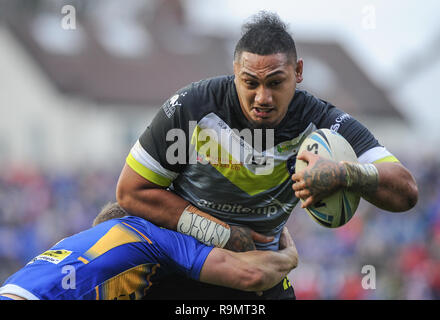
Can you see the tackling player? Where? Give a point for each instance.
(122, 258)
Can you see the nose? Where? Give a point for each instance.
(263, 96)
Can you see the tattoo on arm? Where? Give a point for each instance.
(240, 240)
(324, 177)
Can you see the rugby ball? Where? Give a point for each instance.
(338, 208)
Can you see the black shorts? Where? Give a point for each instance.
(181, 288)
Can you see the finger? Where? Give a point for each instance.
(305, 156)
(308, 157)
(307, 202)
(298, 186)
(258, 237)
(297, 176)
(301, 155)
(303, 194)
(286, 239)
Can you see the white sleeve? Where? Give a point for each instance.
(377, 154)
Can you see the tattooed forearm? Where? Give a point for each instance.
(324, 177)
(363, 178)
(240, 240)
(387, 185)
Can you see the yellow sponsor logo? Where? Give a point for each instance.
(53, 256)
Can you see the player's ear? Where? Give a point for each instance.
(299, 70)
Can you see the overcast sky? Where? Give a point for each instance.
(382, 36)
(380, 33)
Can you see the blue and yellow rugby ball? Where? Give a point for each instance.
(338, 208)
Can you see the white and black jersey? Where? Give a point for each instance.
(199, 146)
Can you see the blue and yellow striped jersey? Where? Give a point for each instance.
(118, 259)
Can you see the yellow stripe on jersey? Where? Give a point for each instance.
(286, 283)
(128, 285)
(237, 173)
(83, 260)
(147, 173)
(144, 236)
(387, 159)
(116, 236)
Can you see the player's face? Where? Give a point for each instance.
(265, 86)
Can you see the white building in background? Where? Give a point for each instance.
(41, 126)
(74, 100)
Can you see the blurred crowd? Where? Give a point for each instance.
(38, 208)
(400, 251)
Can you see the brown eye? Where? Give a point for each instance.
(275, 83)
(251, 83)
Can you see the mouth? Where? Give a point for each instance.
(262, 112)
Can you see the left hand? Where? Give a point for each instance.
(286, 239)
(318, 180)
(243, 239)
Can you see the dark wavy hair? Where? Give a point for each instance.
(266, 34)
